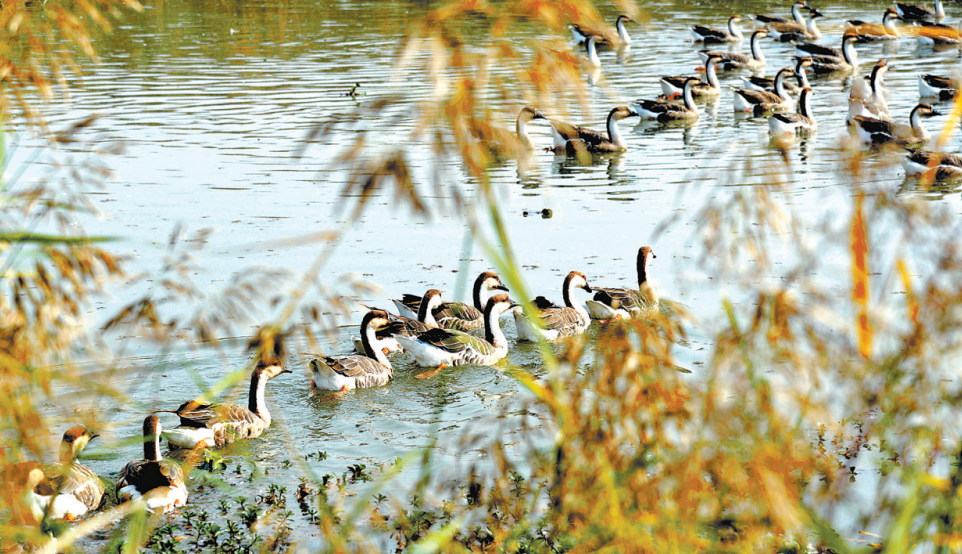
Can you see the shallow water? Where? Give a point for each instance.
(212, 105)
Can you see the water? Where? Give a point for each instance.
(211, 106)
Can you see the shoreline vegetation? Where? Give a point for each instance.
(804, 394)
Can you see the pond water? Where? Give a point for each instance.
(212, 101)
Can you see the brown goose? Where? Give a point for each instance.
(429, 303)
(791, 123)
(828, 60)
(768, 83)
(581, 33)
(664, 110)
(732, 61)
(790, 32)
(762, 101)
(500, 141)
(340, 373)
(919, 162)
(158, 481)
(797, 7)
(456, 315)
(611, 303)
(203, 424)
(911, 12)
(710, 88)
(937, 86)
(573, 140)
(874, 131)
(70, 489)
(719, 36)
(869, 32)
(555, 322)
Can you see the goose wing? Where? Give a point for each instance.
(495, 138)
(627, 299)
(677, 82)
(659, 106)
(789, 118)
(354, 367)
(819, 50)
(146, 475)
(564, 320)
(770, 19)
(708, 32)
(73, 479)
(543, 303)
(731, 57)
(455, 342)
(875, 126)
(457, 310)
(938, 81)
(911, 11)
(758, 96)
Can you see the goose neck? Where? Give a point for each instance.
(152, 447)
(614, 132)
(566, 291)
(939, 10)
(522, 131)
(256, 403)
(813, 27)
(734, 30)
(848, 52)
(805, 106)
(373, 346)
(593, 58)
(780, 86)
(915, 119)
(622, 31)
(712, 75)
(492, 326)
(757, 49)
(689, 99)
(797, 13)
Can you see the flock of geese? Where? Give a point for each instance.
(868, 116)
(438, 333)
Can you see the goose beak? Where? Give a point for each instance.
(588, 289)
(502, 287)
(936, 112)
(285, 370)
(512, 304)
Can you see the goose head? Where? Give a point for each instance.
(577, 280)
(74, 441)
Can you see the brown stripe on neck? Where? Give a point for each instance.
(152, 438)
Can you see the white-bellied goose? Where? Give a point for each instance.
(937, 86)
(790, 32)
(869, 101)
(911, 12)
(768, 83)
(869, 32)
(573, 140)
(439, 347)
(874, 131)
(158, 481)
(918, 162)
(710, 88)
(664, 110)
(627, 303)
(938, 34)
(763, 101)
(70, 489)
(339, 373)
(791, 123)
(828, 60)
(731, 61)
(719, 36)
(457, 315)
(206, 425)
(501, 141)
(406, 326)
(581, 33)
(797, 17)
(555, 322)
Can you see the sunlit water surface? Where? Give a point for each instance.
(211, 106)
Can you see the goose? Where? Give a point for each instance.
(672, 86)
(456, 315)
(869, 32)
(666, 110)
(407, 326)
(500, 141)
(791, 123)
(581, 33)
(790, 32)
(870, 101)
(797, 17)
(158, 481)
(730, 61)
(70, 489)
(611, 303)
(937, 86)
(874, 131)
(828, 60)
(24, 505)
(937, 34)
(719, 36)
(910, 12)
(573, 140)
(768, 83)
(206, 425)
(918, 162)
(340, 373)
(555, 322)
(439, 347)
(591, 47)
(759, 102)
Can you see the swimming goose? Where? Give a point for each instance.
(874, 131)
(911, 12)
(870, 101)
(791, 123)
(759, 101)
(592, 52)
(70, 489)
(828, 60)
(768, 83)
(340, 373)
(790, 32)
(627, 303)
(869, 32)
(206, 425)
(405, 325)
(501, 141)
(439, 347)
(918, 162)
(710, 89)
(719, 36)
(797, 17)
(730, 61)
(457, 315)
(581, 33)
(573, 140)
(158, 481)
(555, 322)
(938, 34)
(666, 110)
(937, 86)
